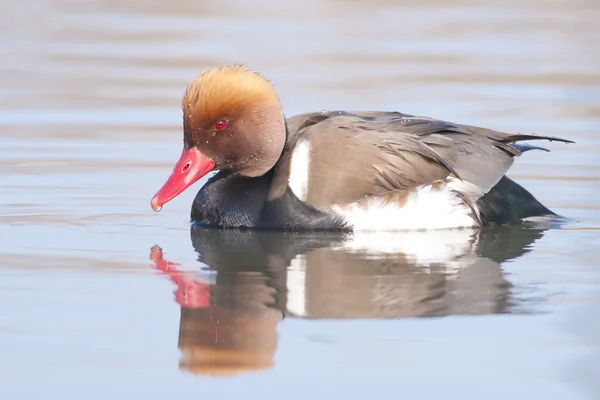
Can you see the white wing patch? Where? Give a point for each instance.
(426, 208)
(299, 170)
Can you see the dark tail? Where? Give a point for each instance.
(508, 203)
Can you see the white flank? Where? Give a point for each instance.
(427, 208)
(299, 168)
(296, 286)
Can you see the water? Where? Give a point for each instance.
(90, 123)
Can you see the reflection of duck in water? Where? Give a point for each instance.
(229, 325)
(225, 328)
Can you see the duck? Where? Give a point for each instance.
(338, 170)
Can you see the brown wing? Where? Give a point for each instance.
(354, 155)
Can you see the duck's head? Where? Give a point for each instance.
(232, 120)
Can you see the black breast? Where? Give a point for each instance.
(289, 212)
(228, 200)
(231, 201)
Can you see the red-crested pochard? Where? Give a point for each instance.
(338, 170)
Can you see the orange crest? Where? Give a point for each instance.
(224, 91)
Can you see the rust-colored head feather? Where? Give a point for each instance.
(225, 91)
(233, 116)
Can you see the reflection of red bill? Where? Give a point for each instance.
(191, 291)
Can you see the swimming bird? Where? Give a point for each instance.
(338, 170)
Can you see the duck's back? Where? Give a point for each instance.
(387, 170)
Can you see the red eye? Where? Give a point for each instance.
(220, 125)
